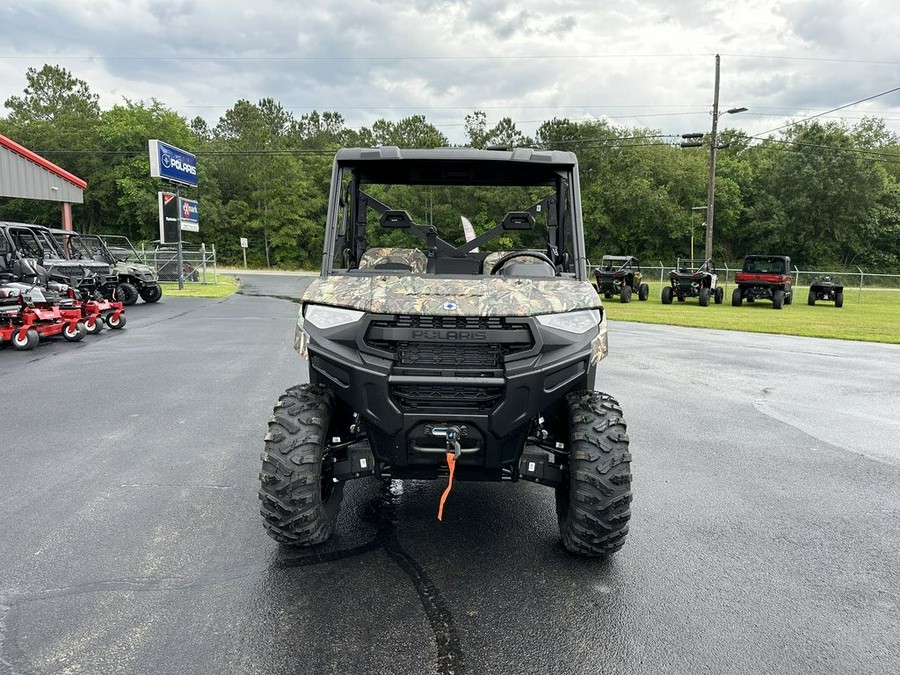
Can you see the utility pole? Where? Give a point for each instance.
(711, 187)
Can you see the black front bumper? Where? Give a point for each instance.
(492, 377)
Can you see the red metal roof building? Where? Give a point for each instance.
(27, 175)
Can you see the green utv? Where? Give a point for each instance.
(453, 332)
(136, 280)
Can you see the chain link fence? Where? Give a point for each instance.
(198, 262)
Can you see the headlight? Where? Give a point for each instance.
(571, 322)
(321, 316)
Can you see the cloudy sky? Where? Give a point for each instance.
(647, 63)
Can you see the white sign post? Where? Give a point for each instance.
(244, 245)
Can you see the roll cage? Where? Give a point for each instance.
(360, 209)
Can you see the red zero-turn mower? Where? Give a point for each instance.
(93, 309)
(95, 313)
(84, 303)
(28, 313)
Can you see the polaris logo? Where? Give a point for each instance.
(176, 163)
(427, 335)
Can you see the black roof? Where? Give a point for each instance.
(391, 152)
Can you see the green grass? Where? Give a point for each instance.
(226, 286)
(872, 316)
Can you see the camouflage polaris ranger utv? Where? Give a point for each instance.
(453, 332)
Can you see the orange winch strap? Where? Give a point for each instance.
(451, 464)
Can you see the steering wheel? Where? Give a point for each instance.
(543, 257)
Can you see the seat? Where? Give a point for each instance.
(411, 259)
(491, 259)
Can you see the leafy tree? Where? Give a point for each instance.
(410, 132)
(57, 117)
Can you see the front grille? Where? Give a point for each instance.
(393, 332)
(67, 270)
(423, 398)
(432, 355)
(441, 347)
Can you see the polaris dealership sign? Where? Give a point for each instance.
(171, 163)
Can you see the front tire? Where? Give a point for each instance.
(719, 295)
(74, 332)
(126, 293)
(839, 299)
(594, 505)
(299, 499)
(151, 293)
(27, 341)
(94, 325)
(625, 295)
(811, 298)
(115, 322)
(643, 292)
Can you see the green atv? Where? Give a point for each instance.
(441, 347)
(135, 278)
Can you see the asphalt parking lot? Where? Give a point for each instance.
(765, 534)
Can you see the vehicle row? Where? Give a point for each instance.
(762, 277)
(43, 293)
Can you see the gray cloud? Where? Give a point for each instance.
(373, 59)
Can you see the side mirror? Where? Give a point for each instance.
(518, 220)
(396, 219)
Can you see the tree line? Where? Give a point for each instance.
(825, 193)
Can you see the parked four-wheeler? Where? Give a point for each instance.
(764, 277)
(828, 289)
(136, 279)
(621, 275)
(448, 360)
(693, 279)
(89, 276)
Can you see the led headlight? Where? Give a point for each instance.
(321, 316)
(572, 322)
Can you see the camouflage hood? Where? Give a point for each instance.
(432, 296)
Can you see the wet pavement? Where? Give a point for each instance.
(765, 532)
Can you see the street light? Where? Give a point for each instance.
(711, 187)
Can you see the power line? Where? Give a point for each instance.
(841, 107)
(887, 156)
(811, 58)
